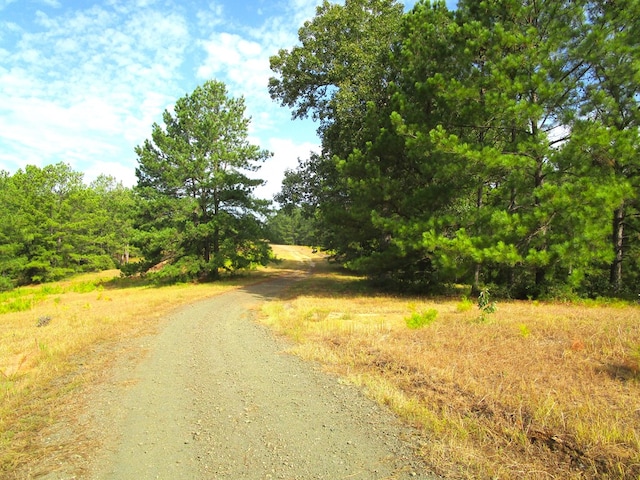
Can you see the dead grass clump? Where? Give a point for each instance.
(534, 391)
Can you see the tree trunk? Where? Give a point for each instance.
(617, 238)
(216, 240)
(475, 289)
(540, 271)
(215, 246)
(204, 219)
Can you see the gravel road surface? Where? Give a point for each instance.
(216, 397)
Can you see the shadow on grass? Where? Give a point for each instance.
(622, 372)
(118, 283)
(144, 281)
(334, 285)
(314, 277)
(288, 279)
(327, 279)
(291, 279)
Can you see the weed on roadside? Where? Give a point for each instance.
(485, 305)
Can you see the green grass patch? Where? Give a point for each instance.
(464, 305)
(422, 319)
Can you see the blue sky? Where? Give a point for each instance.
(82, 81)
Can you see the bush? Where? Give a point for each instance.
(6, 284)
(485, 305)
(419, 320)
(464, 305)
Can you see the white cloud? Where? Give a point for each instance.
(240, 57)
(43, 19)
(5, 3)
(39, 130)
(305, 9)
(234, 55)
(85, 86)
(559, 135)
(243, 64)
(212, 17)
(286, 153)
(124, 173)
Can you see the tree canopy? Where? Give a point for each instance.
(53, 225)
(192, 213)
(496, 144)
(491, 145)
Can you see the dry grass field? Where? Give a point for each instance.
(534, 390)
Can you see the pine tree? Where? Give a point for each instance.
(198, 212)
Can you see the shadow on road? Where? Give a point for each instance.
(318, 278)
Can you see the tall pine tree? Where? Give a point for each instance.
(198, 211)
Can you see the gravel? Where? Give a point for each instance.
(214, 396)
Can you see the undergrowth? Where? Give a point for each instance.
(422, 319)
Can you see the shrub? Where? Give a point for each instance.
(485, 304)
(524, 330)
(6, 284)
(419, 320)
(464, 305)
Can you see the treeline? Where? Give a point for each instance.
(52, 224)
(191, 215)
(496, 144)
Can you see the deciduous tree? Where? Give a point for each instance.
(340, 75)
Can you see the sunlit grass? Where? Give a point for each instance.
(537, 390)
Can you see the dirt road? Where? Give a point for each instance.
(216, 397)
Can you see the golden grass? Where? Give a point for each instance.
(537, 390)
(57, 345)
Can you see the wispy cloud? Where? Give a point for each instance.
(84, 81)
(240, 56)
(5, 3)
(242, 62)
(84, 86)
(51, 3)
(286, 154)
(210, 17)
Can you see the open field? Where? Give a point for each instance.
(535, 390)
